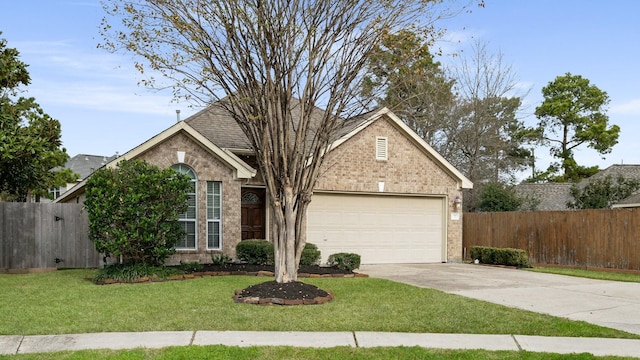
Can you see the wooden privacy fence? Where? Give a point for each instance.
(39, 235)
(586, 238)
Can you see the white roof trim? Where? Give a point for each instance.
(464, 182)
(630, 205)
(242, 170)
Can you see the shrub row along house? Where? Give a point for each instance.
(383, 192)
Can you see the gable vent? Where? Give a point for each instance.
(382, 150)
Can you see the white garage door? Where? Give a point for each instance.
(382, 229)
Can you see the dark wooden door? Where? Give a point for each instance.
(253, 213)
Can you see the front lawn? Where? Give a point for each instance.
(276, 353)
(591, 274)
(67, 302)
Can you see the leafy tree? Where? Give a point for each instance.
(30, 145)
(403, 76)
(498, 197)
(271, 63)
(572, 114)
(602, 193)
(133, 211)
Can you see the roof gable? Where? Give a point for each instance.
(240, 169)
(372, 117)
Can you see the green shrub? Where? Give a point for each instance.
(500, 256)
(133, 211)
(132, 272)
(344, 261)
(256, 252)
(190, 266)
(261, 252)
(220, 259)
(310, 255)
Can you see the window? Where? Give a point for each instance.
(214, 215)
(382, 151)
(55, 193)
(188, 218)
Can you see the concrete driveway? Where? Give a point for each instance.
(606, 303)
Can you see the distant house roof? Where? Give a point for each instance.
(84, 165)
(626, 171)
(551, 196)
(554, 196)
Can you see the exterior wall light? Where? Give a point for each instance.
(457, 202)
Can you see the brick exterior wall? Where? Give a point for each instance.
(353, 167)
(207, 168)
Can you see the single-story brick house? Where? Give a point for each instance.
(383, 193)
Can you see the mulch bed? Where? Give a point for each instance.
(270, 292)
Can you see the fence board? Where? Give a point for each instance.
(585, 238)
(33, 235)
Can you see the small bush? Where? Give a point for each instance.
(220, 259)
(190, 266)
(344, 261)
(310, 255)
(132, 272)
(261, 252)
(500, 256)
(256, 252)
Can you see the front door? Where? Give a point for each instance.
(253, 213)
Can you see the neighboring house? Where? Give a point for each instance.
(555, 196)
(383, 192)
(546, 197)
(83, 165)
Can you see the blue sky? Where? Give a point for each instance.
(102, 110)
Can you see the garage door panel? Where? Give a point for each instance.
(382, 229)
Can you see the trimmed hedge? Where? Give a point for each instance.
(256, 252)
(261, 252)
(310, 255)
(500, 256)
(344, 261)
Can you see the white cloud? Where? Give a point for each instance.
(631, 107)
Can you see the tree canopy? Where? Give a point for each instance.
(572, 114)
(271, 63)
(30, 145)
(602, 193)
(498, 197)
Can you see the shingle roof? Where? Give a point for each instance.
(219, 127)
(552, 196)
(85, 165)
(616, 170)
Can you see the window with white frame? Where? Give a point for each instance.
(382, 148)
(188, 219)
(55, 193)
(214, 215)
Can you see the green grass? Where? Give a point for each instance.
(277, 353)
(591, 274)
(66, 301)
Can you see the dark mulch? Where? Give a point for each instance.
(235, 267)
(292, 293)
(289, 291)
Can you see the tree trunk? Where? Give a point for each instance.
(286, 239)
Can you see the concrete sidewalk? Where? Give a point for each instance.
(117, 341)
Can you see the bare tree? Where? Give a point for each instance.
(270, 64)
(489, 138)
